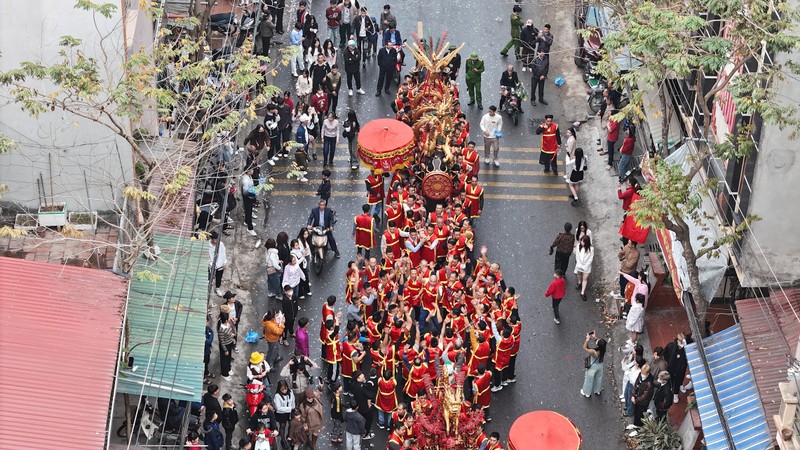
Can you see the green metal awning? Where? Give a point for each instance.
(166, 322)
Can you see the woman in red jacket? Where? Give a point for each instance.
(626, 153)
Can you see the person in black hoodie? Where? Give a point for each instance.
(210, 401)
(662, 398)
(675, 355)
(363, 393)
(642, 394)
(265, 414)
(229, 420)
(284, 127)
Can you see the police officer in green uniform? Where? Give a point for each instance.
(474, 69)
(516, 29)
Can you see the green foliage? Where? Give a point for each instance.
(147, 275)
(104, 9)
(656, 435)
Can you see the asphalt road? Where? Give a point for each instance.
(523, 212)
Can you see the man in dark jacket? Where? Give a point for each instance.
(207, 349)
(387, 58)
(210, 401)
(363, 27)
(527, 43)
(321, 216)
(662, 398)
(284, 126)
(352, 58)
(363, 396)
(318, 71)
(455, 63)
(544, 40)
(333, 83)
(510, 80)
(564, 243)
(354, 426)
(539, 69)
(642, 394)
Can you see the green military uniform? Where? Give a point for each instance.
(474, 69)
(516, 29)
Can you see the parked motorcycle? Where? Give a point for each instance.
(255, 394)
(319, 242)
(401, 56)
(511, 104)
(224, 23)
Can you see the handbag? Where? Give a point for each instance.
(587, 363)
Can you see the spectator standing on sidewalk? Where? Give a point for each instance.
(207, 349)
(351, 129)
(473, 69)
(273, 329)
(266, 30)
(626, 153)
(349, 10)
(563, 244)
(556, 291)
(540, 66)
(227, 341)
(635, 320)
(388, 20)
(217, 260)
(629, 261)
(642, 394)
(662, 398)
(352, 67)
(230, 418)
(298, 432)
(574, 172)
(338, 407)
(312, 413)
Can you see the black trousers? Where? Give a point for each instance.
(344, 34)
(217, 274)
(265, 44)
(369, 417)
(353, 76)
(536, 83)
(556, 302)
(562, 262)
(333, 101)
(247, 204)
(384, 79)
(225, 360)
(277, 15)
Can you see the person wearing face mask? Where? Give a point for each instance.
(675, 355)
(527, 41)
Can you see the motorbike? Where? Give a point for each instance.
(146, 423)
(513, 97)
(255, 394)
(246, 27)
(595, 98)
(224, 23)
(319, 242)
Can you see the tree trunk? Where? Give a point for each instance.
(666, 110)
(700, 303)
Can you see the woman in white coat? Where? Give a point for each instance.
(635, 321)
(584, 256)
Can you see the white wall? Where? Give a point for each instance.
(773, 243)
(74, 145)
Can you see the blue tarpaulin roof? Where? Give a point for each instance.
(736, 387)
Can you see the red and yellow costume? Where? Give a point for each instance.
(364, 226)
(386, 399)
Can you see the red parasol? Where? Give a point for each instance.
(386, 144)
(544, 430)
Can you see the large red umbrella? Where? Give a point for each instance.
(386, 145)
(544, 430)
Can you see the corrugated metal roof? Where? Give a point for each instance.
(59, 338)
(735, 384)
(166, 322)
(767, 325)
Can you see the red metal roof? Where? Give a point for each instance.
(767, 325)
(59, 335)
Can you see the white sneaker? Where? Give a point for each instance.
(523, 68)
(219, 292)
(361, 91)
(682, 389)
(558, 322)
(488, 161)
(271, 161)
(631, 427)
(633, 433)
(354, 167)
(350, 92)
(584, 394)
(304, 179)
(505, 383)
(675, 398)
(497, 163)
(497, 388)
(252, 232)
(228, 378)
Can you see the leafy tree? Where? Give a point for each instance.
(676, 40)
(197, 97)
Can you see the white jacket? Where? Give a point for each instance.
(583, 257)
(284, 404)
(272, 259)
(635, 321)
(303, 86)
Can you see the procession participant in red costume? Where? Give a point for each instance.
(375, 194)
(363, 233)
(551, 140)
(472, 159)
(474, 203)
(386, 399)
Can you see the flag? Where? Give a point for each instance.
(631, 229)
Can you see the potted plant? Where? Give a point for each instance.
(83, 220)
(657, 435)
(26, 222)
(52, 214)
